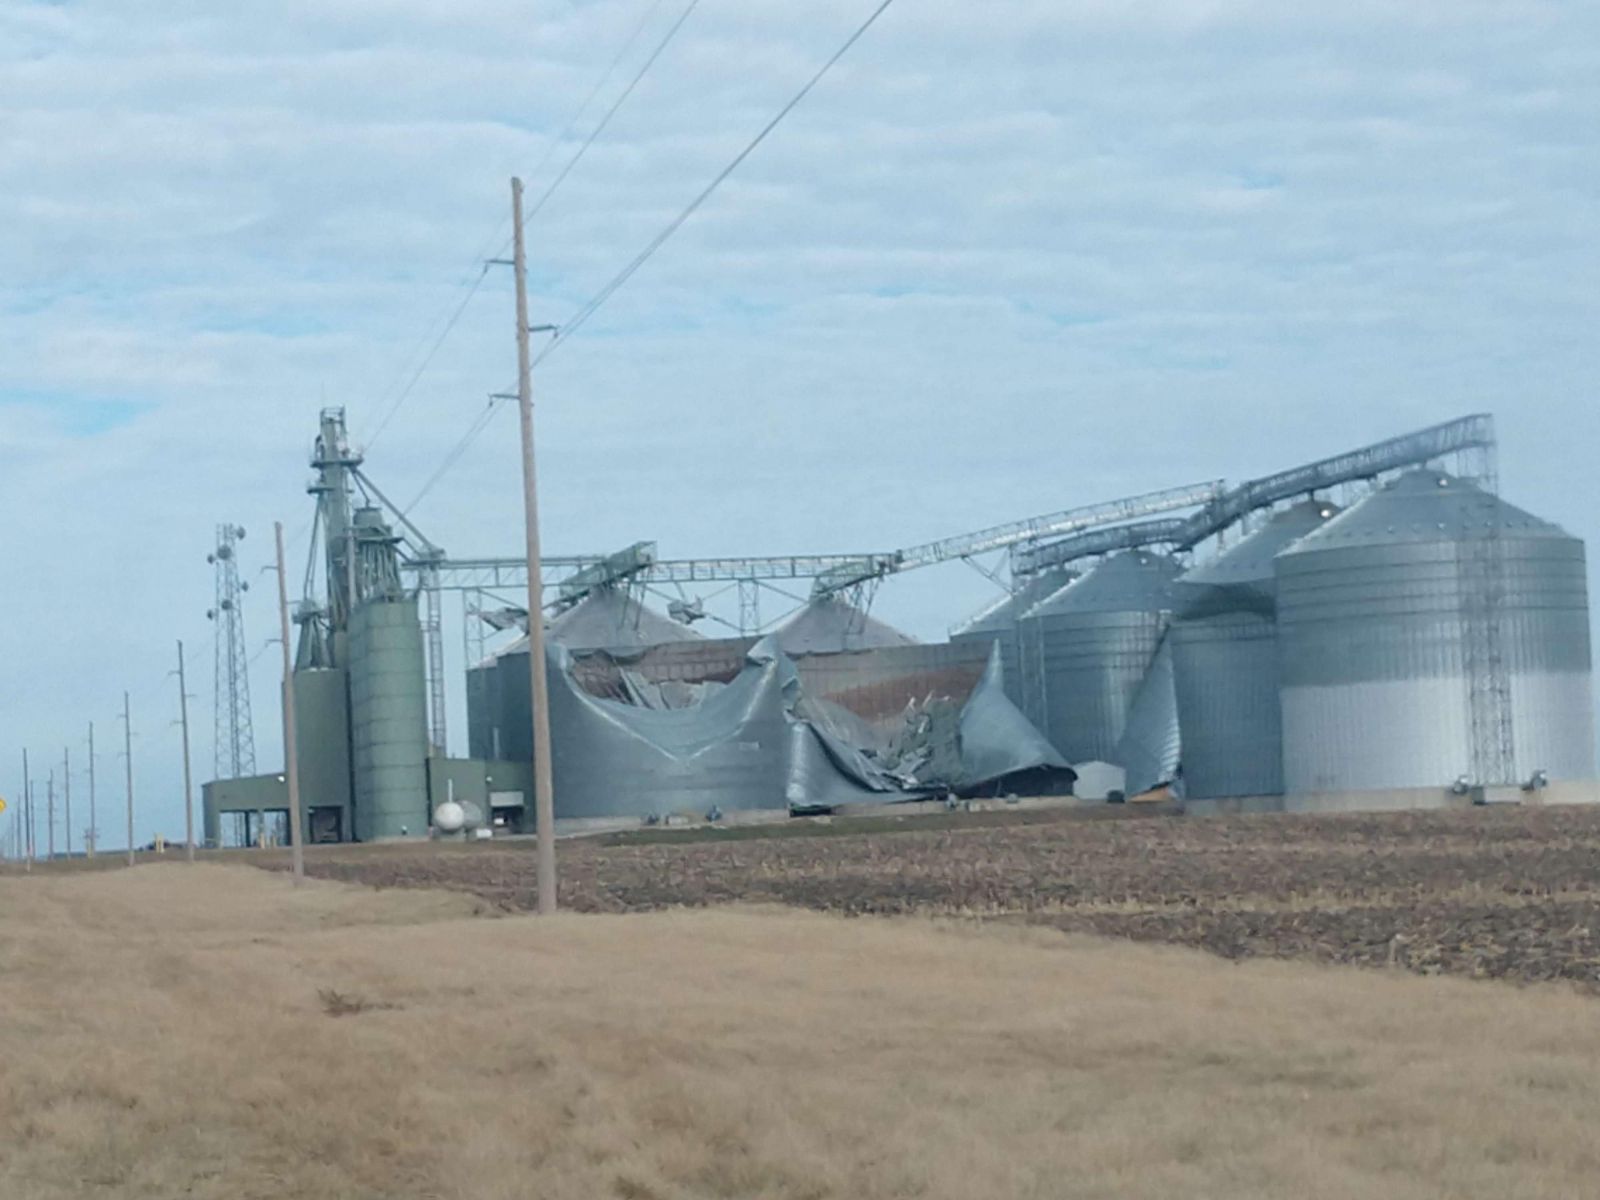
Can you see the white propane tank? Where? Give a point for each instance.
(449, 817)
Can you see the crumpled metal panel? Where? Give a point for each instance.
(816, 779)
(1151, 745)
(761, 742)
(996, 739)
(612, 759)
(1378, 612)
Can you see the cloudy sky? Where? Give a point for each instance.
(1010, 257)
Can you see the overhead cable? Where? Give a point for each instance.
(473, 282)
(479, 424)
(606, 120)
(593, 304)
(576, 321)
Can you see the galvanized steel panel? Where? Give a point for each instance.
(997, 625)
(1086, 649)
(828, 625)
(610, 618)
(1383, 629)
(322, 722)
(388, 720)
(1151, 746)
(1226, 683)
(481, 716)
(1225, 662)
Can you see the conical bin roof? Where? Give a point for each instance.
(829, 625)
(1134, 581)
(1243, 576)
(1424, 506)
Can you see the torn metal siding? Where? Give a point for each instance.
(613, 759)
(1151, 745)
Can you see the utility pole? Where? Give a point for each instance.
(66, 791)
(291, 755)
(539, 691)
(188, 786)
(127, 754)
(50, 814)
(27, 811)
(94, 832)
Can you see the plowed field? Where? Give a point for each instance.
(1510, 893)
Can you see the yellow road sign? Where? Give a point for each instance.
(2, 804)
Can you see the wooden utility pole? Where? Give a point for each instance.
(544, 807)
(127, 754)
(291, 755)
(188, 786)
(50, 814)
(94, 831)
(66, 792)
(27, 813)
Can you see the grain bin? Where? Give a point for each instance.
(388, 719)
(1086, 649)
(1225, 662)
(1434, 635)
(998, 624)
(829, 625)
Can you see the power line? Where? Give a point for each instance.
(588, 100)
(433, 350)
(593, 304)
(576, 321)
(479, 424)
(473, 282)
(606, 120)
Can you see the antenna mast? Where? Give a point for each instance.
(235, 742)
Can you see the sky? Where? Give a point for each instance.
(1006, 259)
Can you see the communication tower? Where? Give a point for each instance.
(234, 743)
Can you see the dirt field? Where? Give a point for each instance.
(1512, 893)
(209, 1032)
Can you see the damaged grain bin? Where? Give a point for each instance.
(1225, 662)
(1434, 638)
(1089, 646)
(997, 624)
(607, 619)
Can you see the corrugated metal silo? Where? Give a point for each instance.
(480, 710)
(322, 741)
(1432, 633)
(388, 719)
(1225, 662)
(998, 624)
(1086, 649)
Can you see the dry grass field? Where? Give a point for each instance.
(207, 1031)
(1504, 893)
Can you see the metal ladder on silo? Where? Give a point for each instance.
(1483, 635)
